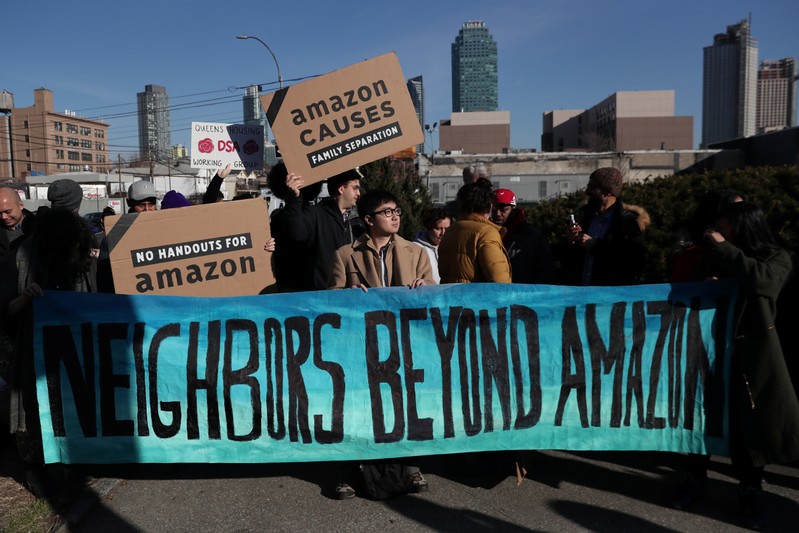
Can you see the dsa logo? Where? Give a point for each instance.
(206, 146)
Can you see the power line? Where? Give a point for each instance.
(42, 142)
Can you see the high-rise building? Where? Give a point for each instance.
(474, 69)
(729, 88)
(153, 107)
(416, 89)
(776, 95)
(38, 141)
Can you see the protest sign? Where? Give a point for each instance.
(214, 146)
(344, 119)
(348, 375)
(204, 250)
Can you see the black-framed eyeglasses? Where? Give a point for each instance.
(388, 212)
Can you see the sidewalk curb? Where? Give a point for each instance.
(86, 503)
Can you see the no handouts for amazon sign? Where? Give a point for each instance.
(344, 119)
(179, 252)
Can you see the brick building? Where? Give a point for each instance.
(37, 140)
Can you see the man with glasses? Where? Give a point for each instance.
(380, 258)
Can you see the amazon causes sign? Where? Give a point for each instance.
(344, 119)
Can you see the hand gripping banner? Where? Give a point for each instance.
(343, 375)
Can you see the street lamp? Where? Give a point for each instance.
(431, 131)
(279, 76)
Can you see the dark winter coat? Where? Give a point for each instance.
(320, 230)
(618, 258)
(530, 258)
(762, 395)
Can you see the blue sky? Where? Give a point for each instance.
(553, 54)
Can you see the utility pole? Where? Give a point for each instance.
(119, 173)
(10, 142)
(431, 131)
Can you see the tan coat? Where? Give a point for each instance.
(359, 262)
(472, 251)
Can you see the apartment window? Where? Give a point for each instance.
(100, 134)
(85, 156)
(27, 139)
(58, 126)
(99, 146)
(85, 131)
(74, 156)
(72, 128)
(542, 190)
(74, 168)
(59, 139)
(100, 158)
(27, 153)
(85, 144)
(59, 154)
(25, 124)
(72, 141)
(59, 166)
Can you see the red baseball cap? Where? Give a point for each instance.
(505, 197)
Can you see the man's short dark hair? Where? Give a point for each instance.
(276, 180)
(370, 201)
(477, 197)
(334, 182)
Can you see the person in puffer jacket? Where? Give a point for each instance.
(472, 251)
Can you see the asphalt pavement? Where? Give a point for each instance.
(563, 491)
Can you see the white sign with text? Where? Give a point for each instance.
(214, 145)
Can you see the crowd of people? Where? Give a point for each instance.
(351, 240)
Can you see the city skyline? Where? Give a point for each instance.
(552, 55)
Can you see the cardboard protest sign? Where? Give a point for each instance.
(353, 375)
(213, 146)
(205, 250)
(347, 118)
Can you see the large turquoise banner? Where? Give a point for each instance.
(394, 372)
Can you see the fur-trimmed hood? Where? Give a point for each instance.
(643, 218)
